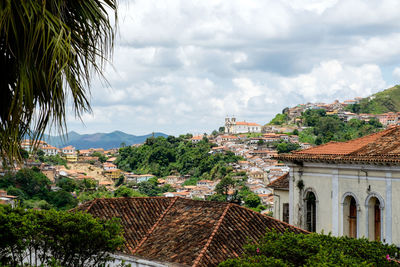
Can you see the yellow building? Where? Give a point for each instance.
(71, 157)
(349, 188)
(114, 174)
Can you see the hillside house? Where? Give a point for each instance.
(7, 199)
(109, 166)
(220, 139)
(50, 150)
(70, 153)
(113, 174)
(207, 184)
(196, 139)
(138, 178)
(68, 150)
(174, 179)
(348, 188)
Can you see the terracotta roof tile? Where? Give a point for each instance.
(383, 146)
(185, 231)
(281, 182)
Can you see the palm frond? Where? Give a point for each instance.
(49, 51)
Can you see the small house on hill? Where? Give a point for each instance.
(183, 232)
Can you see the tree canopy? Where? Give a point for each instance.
(49, 51)
(324, 128)
(291, 249)
(163, 156)
(55, 238)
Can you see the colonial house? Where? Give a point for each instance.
(348, 188)
(50, 150)
(70, 153)
(174, 231)
(68, 150)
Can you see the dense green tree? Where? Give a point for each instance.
(285, 147)
(325, 128)
(124, 191)
(56, 238)
(120, 180)
(101, 156)
(24, 154)
(279, 119)
(291, 249)
(162, 156)
(90, 195)
(226, 184)
(13, 191)
(32, 183)
(49, 50)
(53, 160)
(67, 184)
(252, 200)
(62, 200)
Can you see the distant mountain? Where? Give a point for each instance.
(104, 140)
(385, 101)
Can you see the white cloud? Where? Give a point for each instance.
(396, 73)
(181, 66)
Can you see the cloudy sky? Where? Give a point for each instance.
(182, 66)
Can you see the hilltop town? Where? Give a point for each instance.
(256, 147)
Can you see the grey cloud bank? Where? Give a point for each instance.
(181, 66)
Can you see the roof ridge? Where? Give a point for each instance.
(91, 204)
(278, 179)
(203, 251)
(155, 225)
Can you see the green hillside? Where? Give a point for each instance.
(382, 102)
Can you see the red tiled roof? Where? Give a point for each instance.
(185, 231)
(247, 123)
(281, 182)
(383, 146)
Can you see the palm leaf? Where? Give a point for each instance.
(49, 51)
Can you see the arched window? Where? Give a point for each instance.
(350, 216)
(311, 210)
(374, 205)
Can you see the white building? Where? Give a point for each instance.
(349, 188)
(50, 150)
(68, 150)
(236, 127)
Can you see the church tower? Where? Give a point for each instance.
(230, 125)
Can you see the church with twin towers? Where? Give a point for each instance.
(236, 127)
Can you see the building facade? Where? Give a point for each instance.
(236, 127)
(348, 188)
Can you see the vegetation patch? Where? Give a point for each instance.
(290, 249)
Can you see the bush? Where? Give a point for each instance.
(290, 249)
